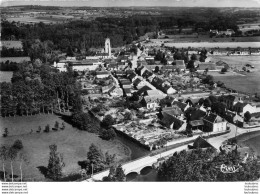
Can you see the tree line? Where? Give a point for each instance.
(10, 154)
(38, 88)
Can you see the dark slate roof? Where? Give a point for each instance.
(201, 143)
(167, 100)
(230, 97)
(125, 82)
(196, 114)
(240, 104)
(127, 90)
(181, 105)
(147, 73)
(131, 75)
(196, 123)
(111, 89)
(192, 100)
(137, 81)
(143, 89)
(211, 117)
(170, 119)
(157, 81)
(165, 88)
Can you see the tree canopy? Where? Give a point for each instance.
(116, 174)
(96, 160)
(204, 165)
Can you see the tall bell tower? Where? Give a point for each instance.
(108, 47)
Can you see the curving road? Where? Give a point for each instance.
(137, 165)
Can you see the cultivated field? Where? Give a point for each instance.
(11, 44)
(14, 59)
(250, 83)
(158, 42)
(45, 19)
(71, 142)
(5, 76)
(206, 38)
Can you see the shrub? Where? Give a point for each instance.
(39, 129)
(63, 126)
(56, 125)
(47, 128)
(247, 116)
(108, 134)
(18, 144)
(97, 109)
(6, 132)
(224, 70)
(108, 121)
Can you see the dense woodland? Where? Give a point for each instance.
(38, 88)
(81, 35)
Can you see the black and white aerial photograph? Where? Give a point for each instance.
(129, 91)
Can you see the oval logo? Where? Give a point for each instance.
(229, 169)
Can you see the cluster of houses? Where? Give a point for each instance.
(156, 88)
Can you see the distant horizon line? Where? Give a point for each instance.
(160, 6)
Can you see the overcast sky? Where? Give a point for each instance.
(113, 3)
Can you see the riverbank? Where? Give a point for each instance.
(251, 140)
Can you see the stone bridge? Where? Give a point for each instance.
(137, 166)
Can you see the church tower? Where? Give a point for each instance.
(108, 47)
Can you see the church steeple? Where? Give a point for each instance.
(108, 47)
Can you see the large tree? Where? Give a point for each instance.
(12, 154)
(96, 161)
(116, 174)
(108, 121)
(55, 164)
(4, 157)
(23, 159)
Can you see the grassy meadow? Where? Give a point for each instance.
(249, 83)
(71, 142)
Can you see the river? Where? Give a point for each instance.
(251, 140)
